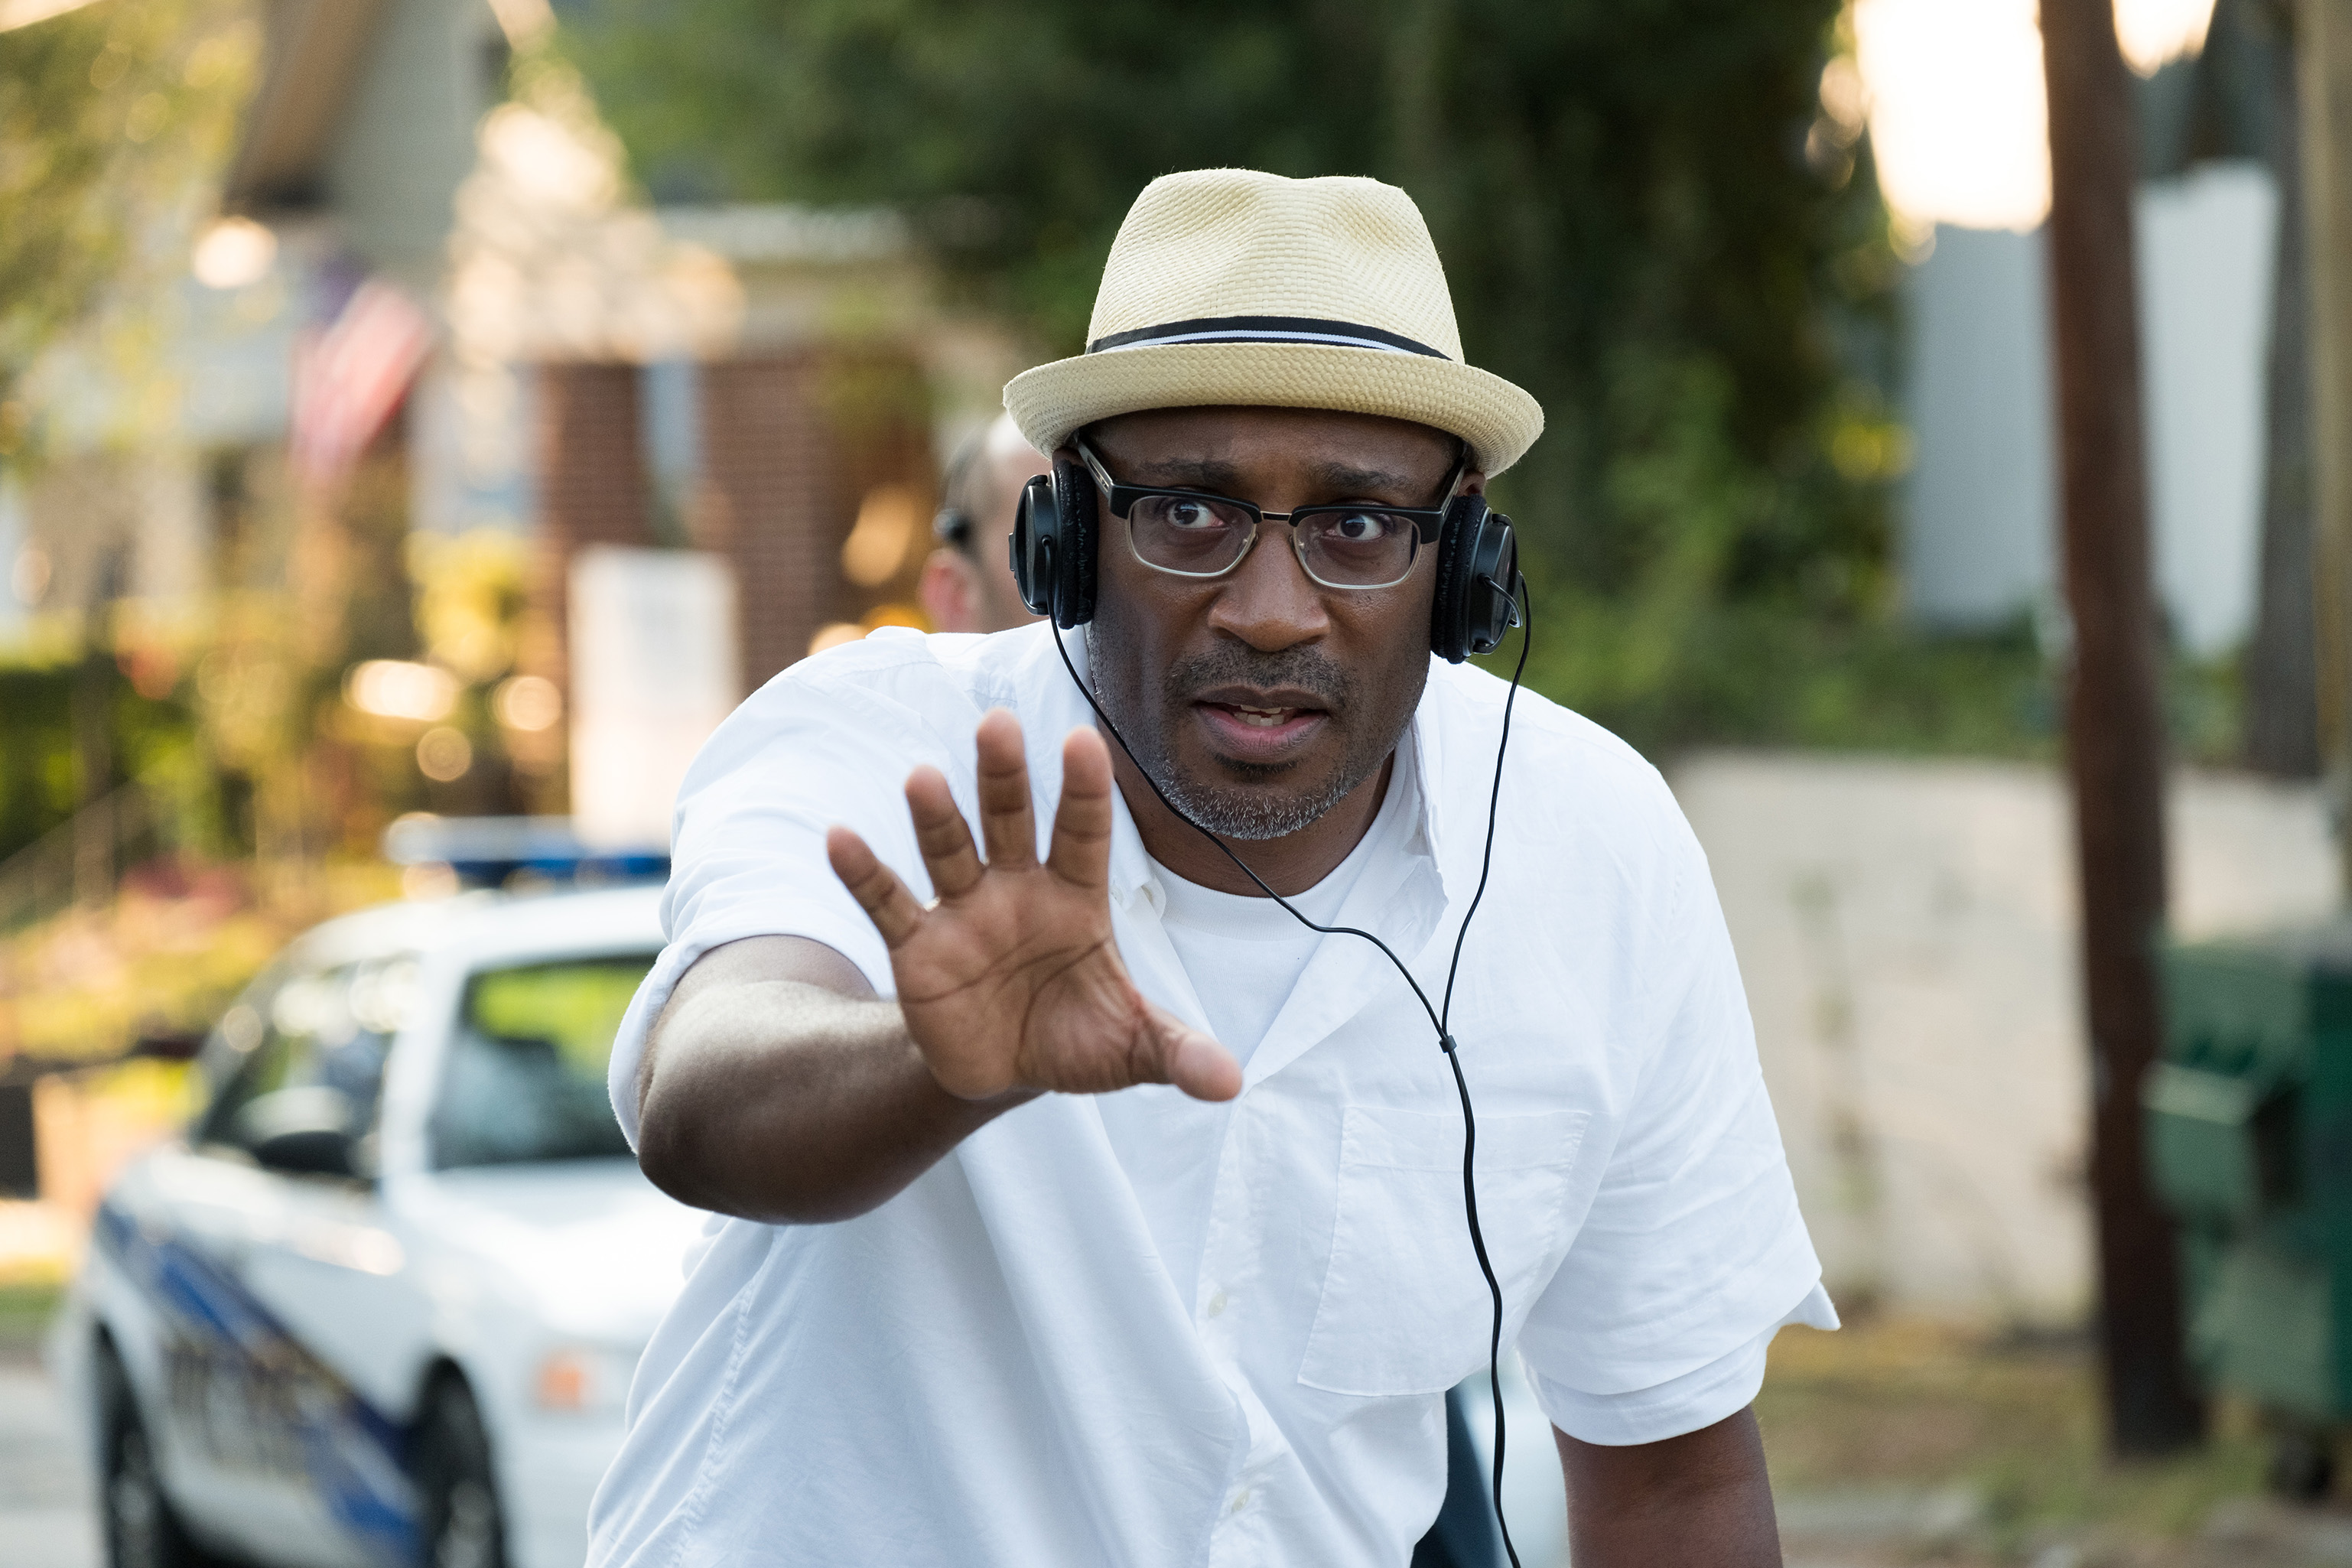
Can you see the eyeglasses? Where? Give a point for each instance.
(1191, 533)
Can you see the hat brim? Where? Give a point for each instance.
(1499, 421)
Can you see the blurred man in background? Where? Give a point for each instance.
(967, 582)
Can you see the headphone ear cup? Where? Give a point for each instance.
(1448, 625)
(1075, 553)
(1494, 574)
(1478, 562)
(1035, 523)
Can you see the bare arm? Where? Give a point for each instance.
(1703, 1497)
(776, 1085)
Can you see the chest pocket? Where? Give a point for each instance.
(1404, 1308)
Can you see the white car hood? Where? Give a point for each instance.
(596, 1245)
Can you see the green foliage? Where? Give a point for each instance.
(40, 783)
(1621, 189)
(109, 114)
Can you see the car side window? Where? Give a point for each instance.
(524, 1078)
(309, 1048)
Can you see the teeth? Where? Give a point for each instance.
(1263, 718)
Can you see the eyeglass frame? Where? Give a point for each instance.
(1429, 522)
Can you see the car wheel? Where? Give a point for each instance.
(458, 1499)
(141, 1531)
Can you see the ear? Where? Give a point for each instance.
(946, 593)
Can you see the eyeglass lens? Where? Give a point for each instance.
(1341, 547)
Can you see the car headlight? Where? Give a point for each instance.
(583, 1380)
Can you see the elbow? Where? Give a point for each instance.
(703, 1167)
(664, 1152)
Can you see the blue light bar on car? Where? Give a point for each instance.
(488, 851)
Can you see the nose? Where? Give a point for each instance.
(1270, 602)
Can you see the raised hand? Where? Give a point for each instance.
(1010, 980)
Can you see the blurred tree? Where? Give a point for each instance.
(1647, 219)
(109, 115)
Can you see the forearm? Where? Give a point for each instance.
(787, 1103)
(1703, 1496)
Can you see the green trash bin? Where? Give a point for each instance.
(2249, 1121)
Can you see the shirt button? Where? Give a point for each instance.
(1241, 1500)
(1216, 1306)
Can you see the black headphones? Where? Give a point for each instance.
(1057, 536)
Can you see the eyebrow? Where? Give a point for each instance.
(1224, 478)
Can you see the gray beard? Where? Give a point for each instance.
(1246, 814)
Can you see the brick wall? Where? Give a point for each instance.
(791, 444)
(593, 490)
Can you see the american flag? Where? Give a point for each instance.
(349, 378)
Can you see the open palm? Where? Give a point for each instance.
(1011, 979)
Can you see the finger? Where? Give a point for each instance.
(1193, 1062)
(1006, 823)
(942, 834)
(1080, 852)
(877, 888)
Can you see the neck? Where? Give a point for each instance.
(1289, 865)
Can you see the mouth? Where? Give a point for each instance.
(1260, 727)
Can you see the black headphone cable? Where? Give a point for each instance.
(1523, 617)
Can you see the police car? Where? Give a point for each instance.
(381, 1304)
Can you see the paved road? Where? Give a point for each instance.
(46, 1515)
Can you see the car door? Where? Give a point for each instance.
(317, 1275)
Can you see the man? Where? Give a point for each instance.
(1086, 1209)
(967, 584)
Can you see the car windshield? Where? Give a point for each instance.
(525, 1076)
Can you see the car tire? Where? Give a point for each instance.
(460, 1523)
(142, 1528)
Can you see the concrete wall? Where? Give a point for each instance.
(1906, 931)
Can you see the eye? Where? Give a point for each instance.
(1359, 527)
(1181, 514)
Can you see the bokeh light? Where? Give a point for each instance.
(444, 754)
(1953, 88)
(233, 253)
(398, 689)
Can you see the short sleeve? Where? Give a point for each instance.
(1697, 1399)
(1694, 1247)
(748, 857)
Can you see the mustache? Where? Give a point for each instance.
(1238, 664)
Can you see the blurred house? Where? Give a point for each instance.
(434, 296)
(1980, 540)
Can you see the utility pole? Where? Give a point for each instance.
(2323, 41)
(2114, 720)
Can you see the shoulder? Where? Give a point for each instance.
(1563, 772)
(874, 709)
(1586, 830)
(900, 680)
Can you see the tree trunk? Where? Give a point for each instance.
(2114, 718)
(2323, 38)
(2280, 669)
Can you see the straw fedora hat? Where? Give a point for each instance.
(1232, 287)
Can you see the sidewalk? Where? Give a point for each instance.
(46, 1516)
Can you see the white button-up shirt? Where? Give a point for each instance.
(1004, 1364)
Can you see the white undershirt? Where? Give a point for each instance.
(1244, 954)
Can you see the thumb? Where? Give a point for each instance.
(1193, 1061)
